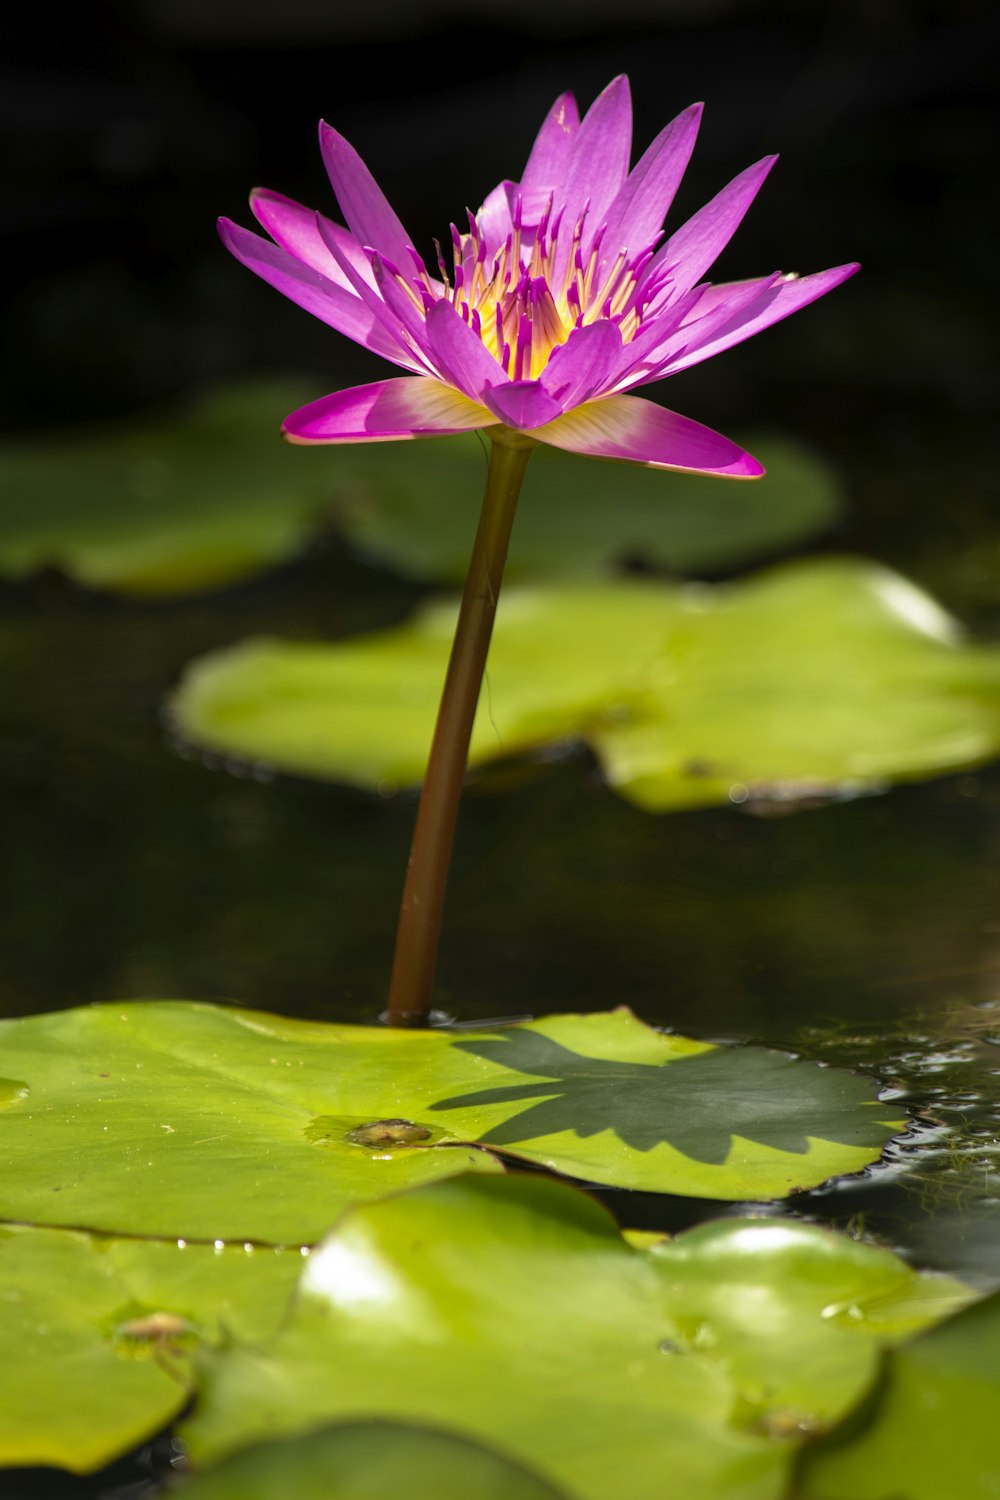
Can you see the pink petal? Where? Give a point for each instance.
(362, 201)
(522, 404)
(640, 432)
(494, 218)
(399, 308)
(598, 164)
(584, 366)
(312, 291)
(688, 323)
(550, 154)
(694, 247)
(636, 216)
(786, 297)
(388, 411)
(295, 228)
(460, 355)
(402, 323)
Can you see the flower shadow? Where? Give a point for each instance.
(695, 1104)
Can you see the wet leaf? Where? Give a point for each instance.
(929, 1431)
(195, 1121)
(185, 501)
(98, 1335)
(369, 1461)
(417, 511)
(514, 1312)
(816, 680)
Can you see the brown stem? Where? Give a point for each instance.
(412, 983)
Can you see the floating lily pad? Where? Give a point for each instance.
(199, 498)
(99, 1335)
(417, 511)
(513, 1311)
(188, 501)
(929, 1431)
(811, 681)
(212, 1124)
(369, 1461)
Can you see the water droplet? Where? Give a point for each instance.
(669, 1346)
(395, 1132)
(12, 1092)
(392, 1134)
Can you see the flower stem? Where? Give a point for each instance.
(411, 986)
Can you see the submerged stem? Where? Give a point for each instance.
(411, 986)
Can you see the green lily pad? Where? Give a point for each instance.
(369, 1461)
(814, 680)
(212, 1124)
(183, 502)
(418, 512)
(929, 1431)
(514, 1312)
(99, 1335)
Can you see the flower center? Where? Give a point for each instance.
(525, 299)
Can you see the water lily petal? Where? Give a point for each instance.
(296, 229)
(665, 341)
(546, 166)
(362, 202)
(637, 213)
(638, 431)
(460, 355)
(494, 217)
(389, 410)
(694, 247)
(524, 404)
(598, 165)
(773, 304)
(585, 366)
(314, 292)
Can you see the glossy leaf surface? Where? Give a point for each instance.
(929, 1431)
(211, 1124)
(815, 680)
(369, 1461)
(513, 1311)
(99, 1334)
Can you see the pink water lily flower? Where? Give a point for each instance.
(560, 296)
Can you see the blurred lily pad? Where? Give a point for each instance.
(810, 681)
(99, 1335)
(197, 498)
(193, 1121)
(417, 511)
(187, 501)
(929, 1431)
(369, 1461)
(514, 1312)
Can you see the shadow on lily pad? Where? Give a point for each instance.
(695, 1104)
